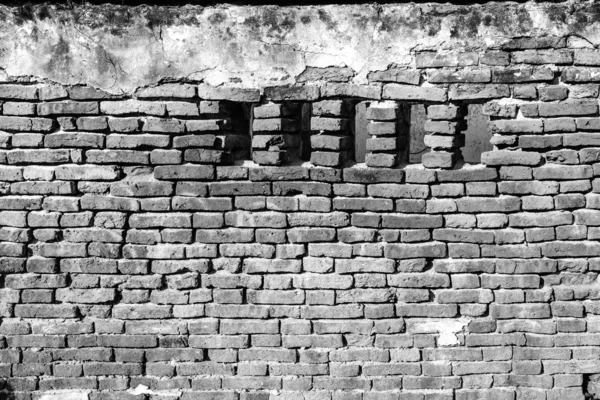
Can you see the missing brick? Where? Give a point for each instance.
(591, 386)
(416, 143)
(276, 133)
(477, 134)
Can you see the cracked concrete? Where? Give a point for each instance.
(120, 48)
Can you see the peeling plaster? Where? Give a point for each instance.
(120, 48)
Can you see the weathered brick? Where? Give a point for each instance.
(478, 91)
(127, 107)
(67, 108)
(401, 251)
(117, 156)
(395, 91)
(520, 311)
(506, 157)
(86, 172)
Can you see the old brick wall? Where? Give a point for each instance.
(192, 241)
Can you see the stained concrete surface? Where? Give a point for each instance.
(119, 48)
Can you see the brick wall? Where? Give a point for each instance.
(144, 255)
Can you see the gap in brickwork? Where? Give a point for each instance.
(277, 133)
(332, 127)
(361, 133)
(337, 130)
(387, 128)
(305, 148)
(416, 143)
(591, 386)
(403, 134)
(242, 121)
(477, 134)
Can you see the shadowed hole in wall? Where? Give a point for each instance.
(416, 133)
(361, 134)
(296, 143)
(279, 133)
(228, 124)
(477, 134)
(591, 386)
(366, 142)
(305, 148)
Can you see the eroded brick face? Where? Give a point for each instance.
(188, 241)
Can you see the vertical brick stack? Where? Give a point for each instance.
(276, 133)
(331, 140)
(389, 134)
(443, 126)
(139, 262)
(215, 137)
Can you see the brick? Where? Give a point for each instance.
(397, 75)
(10, 108)
(91, 296)
(570, 249)
(86, 172)
(411, 221)
(292, 93)
(552, 218)
(402, 251)
(80, 92)
(520, 75)
(482, 204)
(480, 394)
(550, 56)
(467, 175)
(310, 281)
(365, 265)
(125, 311)
(395, 91)
(45, 311)
(184, 172)
(474, 75)
(510, 281)
(517, 126)
(228, 93)
(439, 159)
(415, 280)
(176, 91)
(568, 108)
(509, 251)
(67, 108)
(25, 124)
(506, 157)
(425, 310)
(478, 91)
(93, 124)
(80, 139)
(127, 107)
(372, 175)
(351, 90)
(116, 141)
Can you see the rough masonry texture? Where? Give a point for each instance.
(181, 216)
